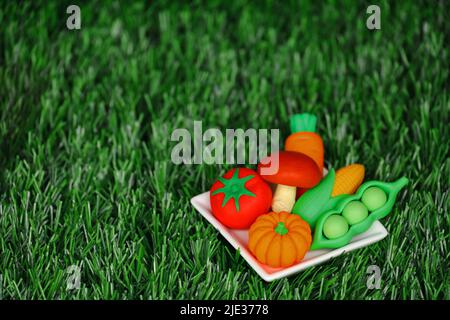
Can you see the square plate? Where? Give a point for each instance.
(239, 239)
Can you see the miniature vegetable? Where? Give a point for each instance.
(335, 226)
(311, 204)
(279, 239)
(355, 212)
(374, 198)
(304, 139)
(348, 179)
(239, 197)
(390, 189)
(294, 170)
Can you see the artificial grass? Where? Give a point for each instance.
(86, 117)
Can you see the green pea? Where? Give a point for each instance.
(355, 212)
(374, 198)
(335, 226)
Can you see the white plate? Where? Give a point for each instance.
(239, 239)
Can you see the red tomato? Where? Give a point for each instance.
(239, 197)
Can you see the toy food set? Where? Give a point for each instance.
(309, 218)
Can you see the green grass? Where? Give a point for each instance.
(86, 116)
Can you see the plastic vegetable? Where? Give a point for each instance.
(279, 239)
(304, 139)
(374, 198)
(294, 170)
(355, 212)
(317, 200)
(335, 226)
(348, 179)
(389, 189)
(239, 197)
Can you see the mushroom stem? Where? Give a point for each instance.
(284, 198)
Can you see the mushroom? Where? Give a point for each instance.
(294, 170)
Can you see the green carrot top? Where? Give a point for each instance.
(303, 122)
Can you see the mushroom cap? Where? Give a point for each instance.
(295, 169)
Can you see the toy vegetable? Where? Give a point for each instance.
(317, 200)
(239, 197)
(304, 139)
(294, 170)
(378, 197)
(335, 226)
(355, 212)
(279, 239)
(373, 198)
(348, 179)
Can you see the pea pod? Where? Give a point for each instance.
(391, 189)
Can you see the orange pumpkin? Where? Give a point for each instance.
(279, 239)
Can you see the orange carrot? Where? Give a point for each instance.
(304, 139)
(348, 179)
